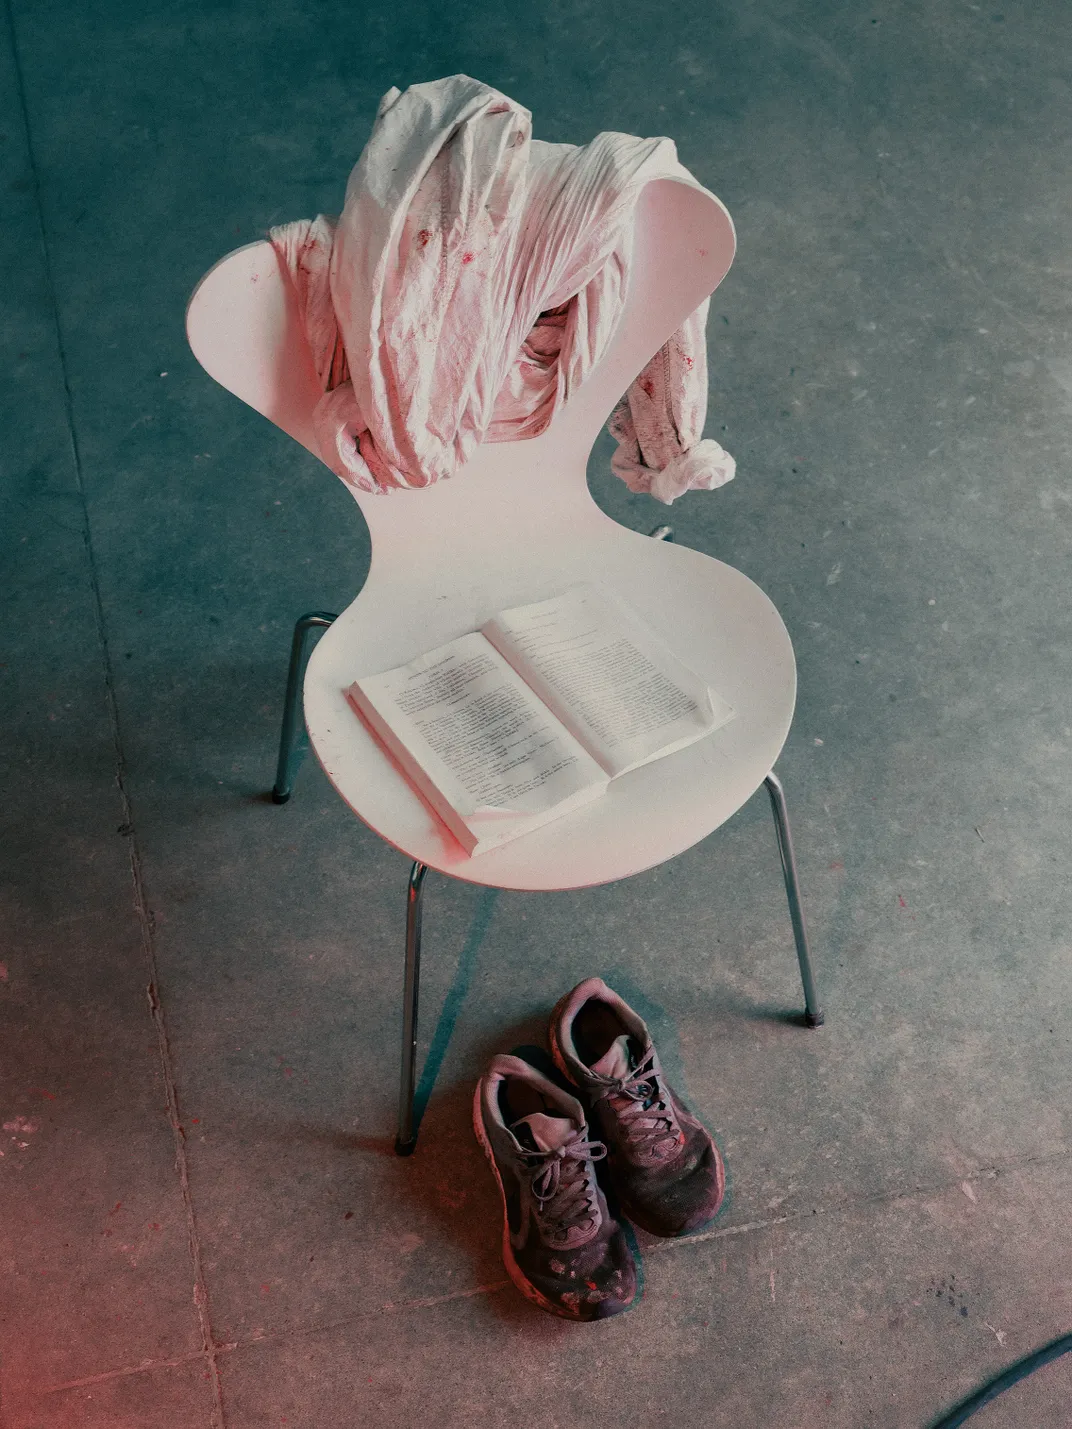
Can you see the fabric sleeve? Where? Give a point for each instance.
(658, 423)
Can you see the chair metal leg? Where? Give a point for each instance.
(813, 1014)
(407, 1132)
(284, 774)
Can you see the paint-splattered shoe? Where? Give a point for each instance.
(561, 1246)
(663, 1165)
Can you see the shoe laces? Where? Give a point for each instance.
(643, 1108)
(562, 1183)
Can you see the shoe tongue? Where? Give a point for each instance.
(548, 1132)
(616, 1061)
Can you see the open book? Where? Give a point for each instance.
(531, 716)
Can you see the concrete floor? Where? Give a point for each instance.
(203, 1223)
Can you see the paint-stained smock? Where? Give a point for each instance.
(473, 280)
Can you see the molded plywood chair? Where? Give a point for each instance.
(518, 524)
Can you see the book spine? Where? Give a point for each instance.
(417, 776)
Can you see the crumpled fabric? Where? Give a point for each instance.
(474, 279)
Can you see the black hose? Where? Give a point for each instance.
(1005, 1380)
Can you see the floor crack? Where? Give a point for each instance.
(141, 906)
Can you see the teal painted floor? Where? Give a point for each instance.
(202, 1223)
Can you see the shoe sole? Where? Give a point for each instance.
(638, 1220)
(516, 1274)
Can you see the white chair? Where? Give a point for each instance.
(518, 524)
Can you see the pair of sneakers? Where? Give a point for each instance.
(562, 1246)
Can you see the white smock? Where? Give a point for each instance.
(473, 280)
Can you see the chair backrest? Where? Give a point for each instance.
(244, 328)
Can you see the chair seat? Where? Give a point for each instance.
(514, 551)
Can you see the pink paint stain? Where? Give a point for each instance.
(423, 237)
(23, 1124)
(467, 257)
(901, 901)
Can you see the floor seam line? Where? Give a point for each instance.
(145, 1367)
(389, 1307)
(143, 913)
(985, 1172)
(396, 1307)
(228, 1346)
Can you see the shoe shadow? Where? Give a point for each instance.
(446, 1183)
(447, 1153)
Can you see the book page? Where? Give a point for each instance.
(478, 732)
(614, 683)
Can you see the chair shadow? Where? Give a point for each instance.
(447, 1151)
(786, 1016)
(453, 1002)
